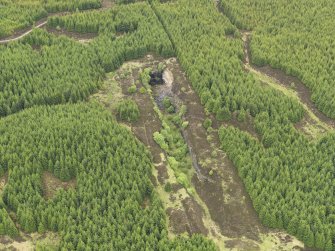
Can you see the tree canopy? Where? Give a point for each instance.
(294, 36)
(17, 14)
(112, 170)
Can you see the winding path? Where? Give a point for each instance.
(105, 4)
(19, 36)
(302, 94)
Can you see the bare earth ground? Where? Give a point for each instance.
(80, 37)
(28, 242)
(221, 209)
(222, 212)
(51, 184)
(3, 181)
(226, 199)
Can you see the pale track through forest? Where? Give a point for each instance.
(106, 4)
(19, 36)
(317, 117)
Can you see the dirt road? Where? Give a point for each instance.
(19, 36)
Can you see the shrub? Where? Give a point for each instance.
(143, 90)
(161, 67)
(182, 110)
(242, 115)
(171, 109)
(132, 89)
(184, 124)
(207, 123)
(223, 114)
(166, 102)
(160, 140)
(168, 187)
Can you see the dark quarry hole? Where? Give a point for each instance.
(156, 78)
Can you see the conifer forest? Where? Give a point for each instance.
(167, 125)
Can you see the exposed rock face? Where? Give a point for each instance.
(168, 77)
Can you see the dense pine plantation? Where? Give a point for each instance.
(289, 179)
(106, 210)
(44, 69)
(47, 124)
(213, 62)
(112, 170)
(295, 36)
(125, 32)
(47, 75)
(19, 14)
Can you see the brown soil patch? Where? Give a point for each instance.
(20, 239)
(5, 240)
(224, 193)
(188, 219)
(153, 180)
(51, 184)
(194, 214)
(107, 4)
(241, 245)
(81, 37)
(175, 187)
(162, 173)
(310, 128)
(246, 47)
(148, 122)
(247, 126)
(146, 203)
(28, 241)
(3, 181)
(178, 220)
